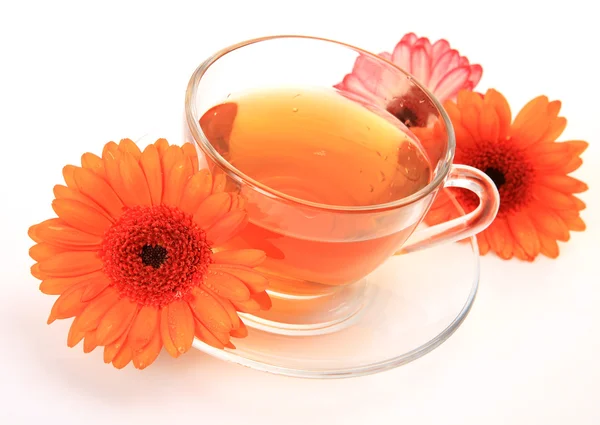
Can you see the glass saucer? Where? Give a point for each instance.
(412, 304)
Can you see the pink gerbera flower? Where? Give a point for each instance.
(437, 66)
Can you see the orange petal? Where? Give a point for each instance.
(226, 227)
(95, 286)
(242, 257)
(489, 127)
(145, 326)
(116, 321)
(254, 280)
(150, 163)
(94, 163)
(562, 183)
(188, 168)
(467, 98)
(173, 175)
(552, 198)
(463, 137)
(68, 304)
(57, 286)
(190, 152)
(43, 251)
(69, 175)
(165, 335)
(570, 166)
(524, 233)
(211, 209)
(484, 245)
(521, 254)
(500, 105)
(99, 191)
(238, 202)
(197, 188)
(161, 146)
(226, 285)
(579, 204)
(549, 156)
(500, 239)
(113, 173)
(263, 300)
(35, 272)
(81, 216)
(109, 147)
(135, 187)
(145, 356)
(128, 146)
(112, 350)
(75, 334)
(209, 311)
(228, 307)
(124, 356)
(56, 232)
(250, 306)
(219, 181)
(90, 317)
(89, 343)
(64, 192)
(570, 148)
(531, 123)
(241, 332)
(576, 147)
(572, 220)
(553, 108)
(32, 232)
(181, 325)
(470, 121)
(555, 129)
(204, 335)
(532, 109)
(548, 246)
(548, 222)
(69, 264)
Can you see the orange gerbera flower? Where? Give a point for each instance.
(530, 170)
(133, 254)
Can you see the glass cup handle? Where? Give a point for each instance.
(460, 228)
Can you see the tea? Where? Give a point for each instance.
(323, 147)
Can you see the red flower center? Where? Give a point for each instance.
(509, 169)
(154, 255)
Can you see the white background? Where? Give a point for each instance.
(74, 76)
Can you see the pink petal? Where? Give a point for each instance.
(425, 43)
(401, 56)
(437, 50)
(421, 65)
(386, 56)
(377, 77)
(353, 85)
(409, 38)
(463, 61)
(452, 83)
(475, 77)
(444, 65)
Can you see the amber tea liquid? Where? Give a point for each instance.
(319, 146)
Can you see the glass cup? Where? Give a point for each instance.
(319, 256)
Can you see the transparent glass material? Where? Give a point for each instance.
(319, 255)
(412, 304)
